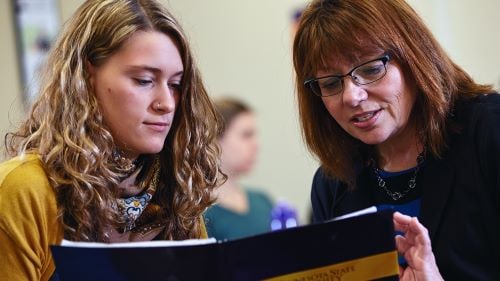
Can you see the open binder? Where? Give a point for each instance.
(355, 248)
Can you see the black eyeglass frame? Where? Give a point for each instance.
(308, 83)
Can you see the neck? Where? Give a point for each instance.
(128, 187)
(232, 196)
(400, 155)
(230, 186)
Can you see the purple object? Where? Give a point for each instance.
(283, 215)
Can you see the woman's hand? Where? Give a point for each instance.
(415, 246)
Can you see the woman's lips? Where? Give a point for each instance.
(157, 126)
(366, 120)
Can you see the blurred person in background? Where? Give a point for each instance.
(239, 210)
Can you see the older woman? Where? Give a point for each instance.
(397, 124)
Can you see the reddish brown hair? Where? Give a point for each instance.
(331, 29)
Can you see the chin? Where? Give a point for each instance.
(373, 140)
(244, 170)
(152, 150)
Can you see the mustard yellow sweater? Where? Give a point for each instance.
(28, 220)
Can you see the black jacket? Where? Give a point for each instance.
(461, 195)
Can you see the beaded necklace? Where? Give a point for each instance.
(396, 195)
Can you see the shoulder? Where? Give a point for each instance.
(23, 175)
(324, 187)
(25, 192)
(29, 220)
(257, 194)
(481, 108)
(478, 145)
(324, 192)
(478, 118)
(323, 182)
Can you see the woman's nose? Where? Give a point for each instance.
(167, 99)
(353, 94)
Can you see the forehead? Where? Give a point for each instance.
(344, 61)
(243, 119)
(242, 122)
(148, 50)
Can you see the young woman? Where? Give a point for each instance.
(397, 124)
(120, 145)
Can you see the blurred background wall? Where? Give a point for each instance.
(243, 49)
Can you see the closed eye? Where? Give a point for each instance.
(143, 82)
(330, 83)
(175, 86)
(370, 70)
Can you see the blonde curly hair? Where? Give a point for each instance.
(65, 127)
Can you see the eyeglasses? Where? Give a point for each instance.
(362, 74)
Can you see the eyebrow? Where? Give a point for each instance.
(152, 69)
(357, 60)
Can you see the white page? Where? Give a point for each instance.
(141, 244)
(368, 210)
